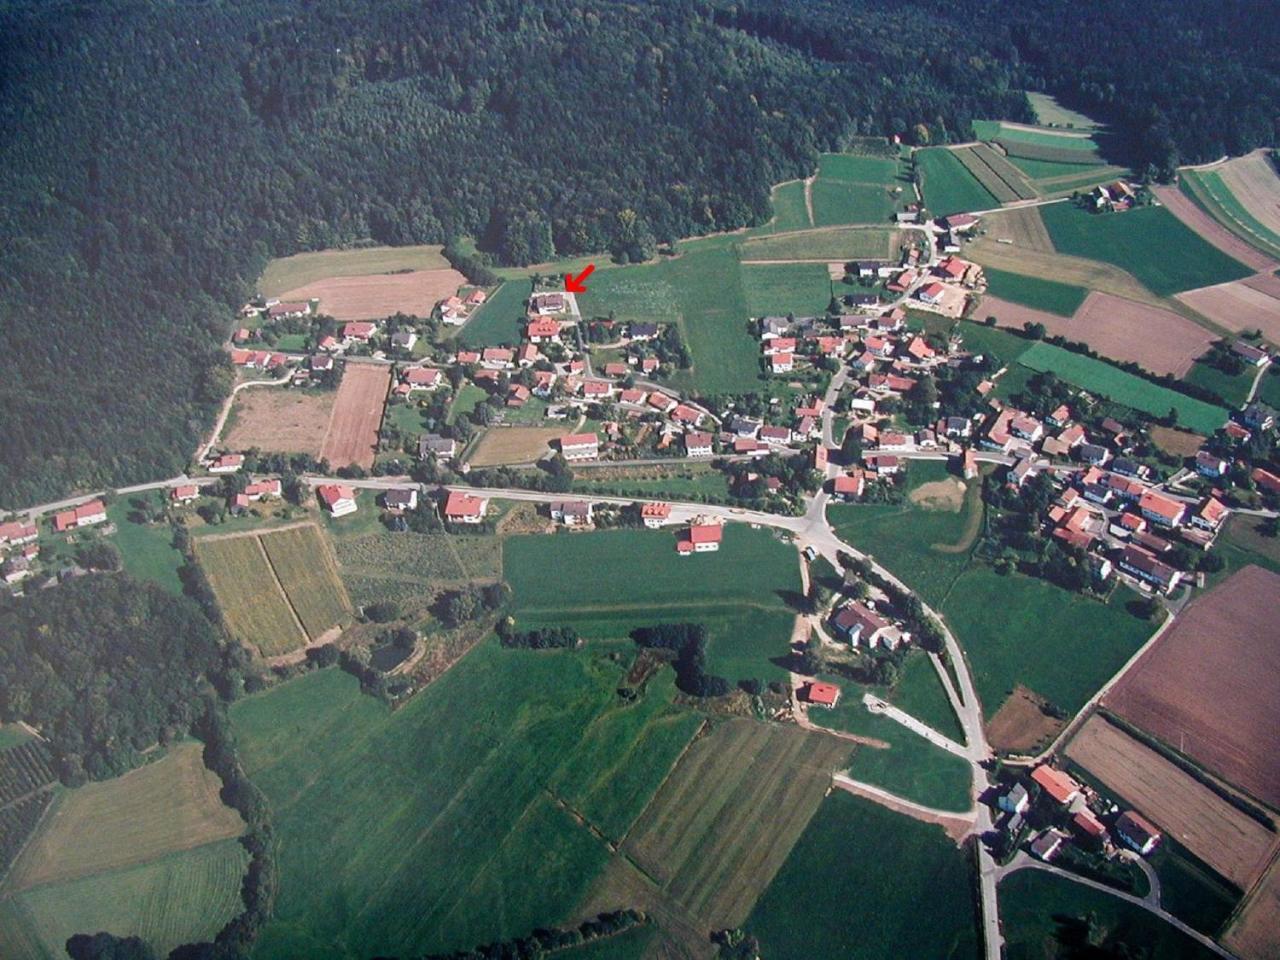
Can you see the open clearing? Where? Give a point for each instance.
(855, 884)
(279, 420)
(1227, 839)
(1195, 217)
(740, 593)
(380, 295)
(352, 436)
(1052, 113)
(499, 769)
(286, 273)
(1255, 933)
(1020, 726)
(501, 446)
(1238, 306)
(1211, 687)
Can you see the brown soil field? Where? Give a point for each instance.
(1183, 443)
(1020, 725)
(1185, 209)
(1091, 274)
(947, 495)
(279, 420)
(1021, 225)
(1255, 932)
(1238, 306)
(1253, 181)
(1227, 839)
(507, 445)
(1210, 687)
(352, 436)
(1267, 283)
(380, 295)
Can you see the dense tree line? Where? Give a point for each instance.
(539, 638)
(688, 641)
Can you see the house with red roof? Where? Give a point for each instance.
(661, 402)
(242, 336)
(778, 345)
(467, 357)
(749, 446)
(517, 395)
(542, 330)
(616, 369)
(1146, 566)
(527, 354)
(931, 293)
(422, 378)
(263, 488)
(462, 507)
(497, 358)
(632, 396)
(1060, 787)
(697, 444)
(184, 493)
(289, 308)
(655, 515)
(683, 413)
(596, 389)
(820, 694)
(650, 364)
(227, 463)
(544, 382)
(850, 486)
(476, 297)
(700, 538)
(920, 349)
(1266, 481)
(580, 446)
(782, 363)
(820, 457)
(1210, 515)
(85, 515)
(882, 464)
(337, 498)
(358, 331)
(572, 513)
(328, 343)
(860, 624)
(952, 268)
(1160, 509)
(15, 533)
(775, 436)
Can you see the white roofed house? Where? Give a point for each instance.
(572, 513)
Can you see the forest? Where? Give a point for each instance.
(158, 155)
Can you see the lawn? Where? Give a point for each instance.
(740, 593)
(288, 273)
(1102, 378)
(480, 772)
(919, 692)
(948, 186)
(834, 244)
(1049, 295)
(1016, 629)
(405, 417)
(840, 201)
(500, 319)
(468, 397)
(1036, 909)
(1148, 242)
(146, 548)
(255, 609)
(804, 289)
(864, 883)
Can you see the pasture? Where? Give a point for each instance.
(855, 884)
(1209, 688)
(500, 319)
(279, 420)
(1230, 841)
(829, 244)
(1103, 379)
(374, 296)
(1232, 388)
(286, 273)
(481, 770)
(352, 434)
(1005, 346)
(789, 210)
(839, 202)
(1049, 295)
(1051, 113)
(948, 187)
(1150, 243)
(782, 288)
(742, 593)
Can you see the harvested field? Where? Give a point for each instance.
(1021, 726)
(1227, 839)
(1253, 181)
(308, 573)
(1183, 443)
(352, 436)
(1186, 210)
(939, 495)
(380, 295)
(279, 420)
(1211, 686)
(1239, 305)
(507, 445)
(1157, 340)
(1255, 934)
(286, 273)
(249, 595)
(1267, 283)
(1023, 226)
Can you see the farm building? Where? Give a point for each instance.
(1056, 784)
(15, 533)
(700, 538)
(85, 515)
(337, 498)
(1137, 832)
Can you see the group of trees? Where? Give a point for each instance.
(688, 641)
(540, 638)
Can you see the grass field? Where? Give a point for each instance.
(835, 244)
(782, 288)
(465, 400)
(948, 186)
(146, 549)
(1052, 113)
(303, 268)
(979, 338)
(255, 609)
(855, 169)
(1149, 242)
(837, 202)
(1232, 389)
(789, 210)
(305, 568)
(369, 804)
(1060, 298)
(740, 593)
(11, 735)
(856, 883)
(410, 568)
(1037, 908)
(689, 483)
(1052, 170)
(500, 319)
(1102, 378)
(998, 177)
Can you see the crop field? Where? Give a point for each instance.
(1036, 907)
(1021, 725)
(997, 175)
(740, 593)
(948, 187)
(509, 445)
(500, 319)
(855, 884)
(1227, 839)
(501, 734)
(1190, 204)
(1211, 687)
(1255, 931)
(782, 288)
(1023, 226)
(374, 296)
(1238, 306)
(1014, 628)
(827, 244)
(1148, 242)
(308, 574)
(1101, 378)
(1241, 195)
(249, 596)
(410, 568)
(287, 273)
(352, 436)
(1060, 298)
(279, 420)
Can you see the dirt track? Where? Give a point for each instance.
(352, 436)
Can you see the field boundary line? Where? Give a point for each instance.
(275, 578)
(626, 834)
(6, 894)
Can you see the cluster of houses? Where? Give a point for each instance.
(945, 287)
(19, 549)
(1092, 821)
(456, 309)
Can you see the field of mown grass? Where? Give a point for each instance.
(1049, 295)
(288, 273)
(1103, 379)
(608, 583)
(477, 772)
(789, 210)
(1148, 242)
(833, 244)
(500, 319)
(838, 202)
(859, 884)
(251, 602)
(948, 186)
(782, 288)
(305, 567)
(147, 550)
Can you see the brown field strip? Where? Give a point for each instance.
(1021, 725)
(1092, 274)
(1252, 180)
(1239, 306)
(352, 436)
(1182, 443)
(279, 420)
(375, 296)
(166, 806)
(1210, 687)
(250, 597)
(1186, 210)
(1227, 839)
(507, 445)
(1255, 932)
(1267, 283)
(308, 573)
(1024, 226)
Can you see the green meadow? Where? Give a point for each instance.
(948, 186)
(1048, 295)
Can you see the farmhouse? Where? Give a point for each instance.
(1145, 566)
(1061, 788)
(655, 515)
(462, 507)
(184, 493)
(1249, 353)
(862, 625)
(572, 513)
(338, 499)
(698, 444)
(85, 515)
(820, 694)
(1137, 832)
(227, 463)
(580, 446)
(262, 488)
(401, 498)
(545, 303)
(700, 538)
(931, 293)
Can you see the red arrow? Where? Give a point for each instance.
(574, 284)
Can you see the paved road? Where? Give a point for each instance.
(892, 799)
(876, 705)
